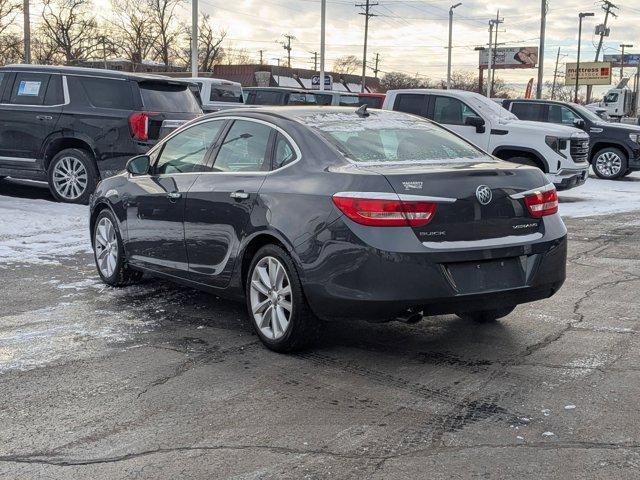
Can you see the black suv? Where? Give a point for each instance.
(72, 126)
(614, 149)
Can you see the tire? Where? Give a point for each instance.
(610, 163)
(486, 316)
(524, 161)
(295, 328)
(72, 176)
(119, 274)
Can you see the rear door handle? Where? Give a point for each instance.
(240, 195)
(174, 195)
(44, 117)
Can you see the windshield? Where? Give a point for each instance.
(168, 97)
(391, 137)
(585, 112)
(611, 98)
(226, 93)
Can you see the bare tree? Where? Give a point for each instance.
(10, 41)
(234, 56)
(396, 80)
(43, 50)
(134, 30)
(169, 31)
(71, 27)
(347, 65)
(210, 50)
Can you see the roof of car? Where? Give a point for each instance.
(293, 112)
(436, 91)
(535, 100)
(93, 72)
(284, 89)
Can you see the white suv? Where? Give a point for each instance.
(557, 150)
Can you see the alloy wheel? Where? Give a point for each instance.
(609, 164)
(70, 178)
(270, 297)
(105, 245)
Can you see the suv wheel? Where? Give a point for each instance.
(276, 303)
(108, 252)
(72, 176)
(486, 316)
(610, 163)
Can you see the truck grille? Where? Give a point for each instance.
(579, 150)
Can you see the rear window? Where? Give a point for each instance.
(391, 137)
(372, 102)
(350, 100)
(224, 93)
(301, 99)
(107, 93)
(168, 97)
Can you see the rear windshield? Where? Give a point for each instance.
(226, 93)
(168, 97)
(373, 102)
(391, 137)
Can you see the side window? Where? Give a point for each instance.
(349, 101)
(527, 111)
(244, 149)
(283, 153)
(411, 103)
(266, 97)
(563, 115)
(107, 93)
(29, 89)
(187, 151)
(323, 99)
(54, 95)
(451, 111)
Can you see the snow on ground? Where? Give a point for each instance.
(602, 197)
(41, 231)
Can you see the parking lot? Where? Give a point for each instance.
(160, 381)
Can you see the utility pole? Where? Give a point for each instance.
(315, 61)
(367, 14)
(450, 43)
(27, 32)
(623, 46)
(580, 16)
(323, 22)
(194, 38)
(555, 76)
(495, 50)
(490, 58)
(543, 28)
(376, 69)
(261, 53)
(287, 46)
(608, 8)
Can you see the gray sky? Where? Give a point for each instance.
(411, 35)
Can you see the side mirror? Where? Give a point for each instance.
(139, 165)
(477, 122)
(579, 123)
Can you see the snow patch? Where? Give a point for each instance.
(601, 197)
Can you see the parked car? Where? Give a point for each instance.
(373, 100)
(614, 147)
(559, 151)
(72, 126)
(332, 213)
(218, 94)
(343, 99)
(278, 96)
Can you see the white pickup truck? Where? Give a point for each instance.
(559, 151)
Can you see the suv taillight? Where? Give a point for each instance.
(389, 212)
(541, 204)
(139, 125)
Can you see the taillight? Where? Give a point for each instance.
(139, 125)
(386, 212)
(541, 204)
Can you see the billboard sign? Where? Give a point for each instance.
(328, 82)
(630, 59)
(591, 73)
(510, 57)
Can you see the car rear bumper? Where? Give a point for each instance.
(569, 177)
(354, 280)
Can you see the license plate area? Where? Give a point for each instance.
(486, 275)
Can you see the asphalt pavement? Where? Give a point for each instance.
(159, 381)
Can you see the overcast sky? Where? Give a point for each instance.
(411, 35)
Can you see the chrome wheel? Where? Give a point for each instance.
(609, 164)
(70, 178)
(270, 297)
(105, 246)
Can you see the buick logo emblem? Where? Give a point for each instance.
(484, 194)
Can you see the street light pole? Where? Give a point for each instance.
(450, 41)
(623, 46)
(323, 21)
(194, 38)
(581, 15)
(489, 58)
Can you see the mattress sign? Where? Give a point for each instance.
(28, 89)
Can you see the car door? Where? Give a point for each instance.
(220, 204)
(32, 104)
(155, 209)
(453, 114)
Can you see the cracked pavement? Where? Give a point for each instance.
(160, 381)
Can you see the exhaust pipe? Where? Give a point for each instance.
(410, 317)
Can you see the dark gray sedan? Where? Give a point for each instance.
(332, 213)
